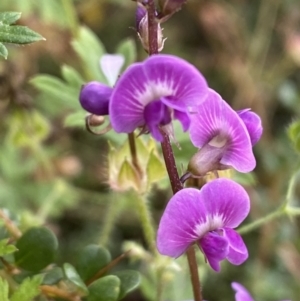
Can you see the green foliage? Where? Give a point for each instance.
(37, 249)
(53, 276)
(294, 134)
(105, 289)
(91, 260)
(130, 280)
(90, 49)
(6, 248)
(14, 34)
(3, 290)
(127, 48)
(72, 275)
(28, 289)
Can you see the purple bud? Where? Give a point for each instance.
(142, 29)
(139, 15)
(94, 98)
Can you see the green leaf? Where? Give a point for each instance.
(130, 280)
(9, 17)
(3, 51)
(28, 289)
(105, 289)
(72, 76)
(128, 177)
(90, 49)
(18, 34)
(156, 170)
(128, 49)
(3, 290)
(57, 90)
(91, 260)
(6, 248)
(37, 249)
(294, 130)
(76, 119)
(53, 276)
(72, 275)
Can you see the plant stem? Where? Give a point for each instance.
(10, 226)
(114, 208)
(256, 224)
(133, 152)
(168, 154)
(152, 28)
(147, 224)
(282, 210)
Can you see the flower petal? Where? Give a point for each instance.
(111, 65)
(94, 98)
(241, 293)
(215, 248)
(216, 118)
(253, 124)
(157, 77)
(238, 252)
(183, 118)
(156, 113)
(226, 200)
(176, 231)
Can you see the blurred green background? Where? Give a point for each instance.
(55, 173)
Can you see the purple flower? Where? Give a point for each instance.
(252, 123)
(94, 98)
(152, 93)
(225, 137)
(241, 293)
(206, 217)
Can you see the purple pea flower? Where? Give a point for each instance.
(152, 93)
(241, 293)
(206, 217)
(225, 137)
(94, 96)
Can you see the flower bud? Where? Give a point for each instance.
(207, 159)
(94, 98)
(142, 29)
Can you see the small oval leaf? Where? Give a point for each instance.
(72, 275)
(130, 280)
(105, 289)
(91, 260)
(37, 249)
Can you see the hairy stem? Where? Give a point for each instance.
(10, 226)
(168, 154)
(256, 224)
(112, 213)
(282, 210)
(147, 224)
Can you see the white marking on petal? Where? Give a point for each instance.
(111, 65)
(154, 90)
(212, 223)
(218, 141)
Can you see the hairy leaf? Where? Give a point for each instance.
(28, 289)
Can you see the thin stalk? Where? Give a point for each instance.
(10, 226)
(293, 211)
(147, 223)
(256, 224)
(133, 153)
(112, 213)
